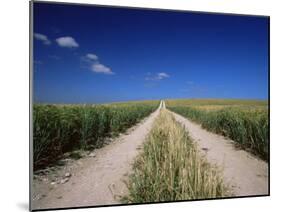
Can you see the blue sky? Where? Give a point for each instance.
(88, 54)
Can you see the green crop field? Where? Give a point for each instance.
(244, 121)
(61, 128)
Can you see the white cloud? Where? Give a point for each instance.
(158, 76)
(100, 68)
(93, 61)
(162, 75)
(67, 42)
(42, 38)
(92, 56)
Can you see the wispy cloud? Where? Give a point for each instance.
(92, 56)
(100, 68)
(162, 75)
(42, 38)
(156, 77)
(67, 42)
(92, 61)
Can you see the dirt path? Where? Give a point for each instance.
(97, 180)
(246, 174)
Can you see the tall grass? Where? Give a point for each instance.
(249, 128)
(60, 128)
(170, 167)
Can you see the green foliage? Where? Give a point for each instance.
(61, 128)
(248, 127)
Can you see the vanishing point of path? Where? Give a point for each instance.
(100, 180)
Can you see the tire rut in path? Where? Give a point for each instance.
(244, 173)
(99, 180)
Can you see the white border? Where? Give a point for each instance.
(14, 88)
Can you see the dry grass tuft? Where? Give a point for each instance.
(170, 167)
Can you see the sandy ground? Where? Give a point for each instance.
(97, 180)
(243, 172)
